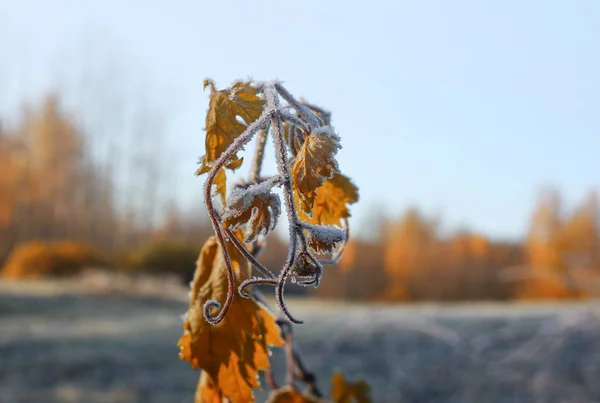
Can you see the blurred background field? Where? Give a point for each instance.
(70, 343)
(471, 131)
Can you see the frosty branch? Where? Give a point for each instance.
(312, 144)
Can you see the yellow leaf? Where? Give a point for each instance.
(234, 351)
(222, 125)
(259, 211)
(332, 202)
(289, 395)
(344, 392)
(314, 164)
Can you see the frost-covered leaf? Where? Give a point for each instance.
(345, 392)
(332, 202)
(222, 124)
(234, 351)
(305, 266)
(314, 164)
(323, 238)
(255, 207)
(289, 395)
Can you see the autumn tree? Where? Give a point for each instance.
(413, 251)
(545, 248)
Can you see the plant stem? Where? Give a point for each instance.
(282, 163)
(261, 140)
(244, 138)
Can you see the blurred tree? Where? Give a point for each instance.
(412, 250)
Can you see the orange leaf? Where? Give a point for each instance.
(207, 391)
(314, 164)
(332, 201)
(344, 392)
(289, 395)
(236, 349)
(222, 125)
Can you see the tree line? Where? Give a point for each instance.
(59, 181)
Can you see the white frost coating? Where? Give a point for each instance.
(327, 131)
(184, 317)
(241, 199)
(326, 235)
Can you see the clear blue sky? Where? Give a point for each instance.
(464, 108)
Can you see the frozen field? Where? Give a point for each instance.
(58, 345)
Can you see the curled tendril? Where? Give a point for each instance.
(254, 281)
(206, 309)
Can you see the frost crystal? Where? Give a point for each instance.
(323, 238)
(242, 198)
(255, 207)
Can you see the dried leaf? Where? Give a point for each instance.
(236, 349)
(305, 266)
(222, 125)
(289, 395)
(207, 391)
(314, 164)
(255, 207)
(323, 238)
(332, 202)
(344, 392)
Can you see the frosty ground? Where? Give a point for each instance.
(59, 344)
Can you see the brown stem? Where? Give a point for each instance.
(244, 138)
(261, 140)
(254, 281)
(270, 378)
(282, 162)
(236, 242)
(312, 119)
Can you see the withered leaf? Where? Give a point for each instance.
(207, 391)
(344, 392)
(289, 395)
(313, 165)
(222, 125)
(305, 266)
(255, 207)
(332, 202)
(323, 238)
(234, 351)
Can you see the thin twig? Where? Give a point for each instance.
(302, 371)
(312, 119)
(261, 140)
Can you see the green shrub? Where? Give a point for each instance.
(49, 259)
